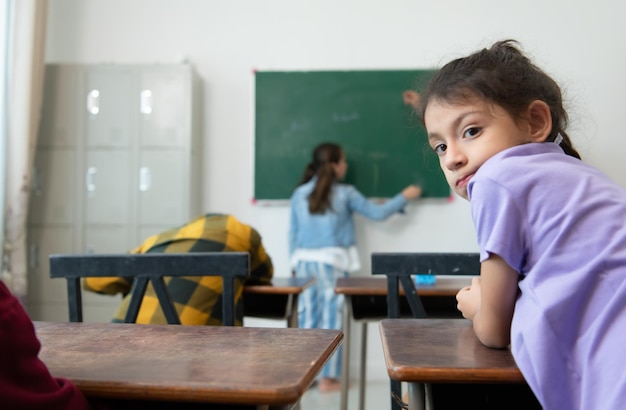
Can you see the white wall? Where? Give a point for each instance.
(581, 43)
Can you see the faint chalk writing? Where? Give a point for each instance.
(353, 116)
(377, 155)
(298, 125)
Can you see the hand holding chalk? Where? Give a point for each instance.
(411, 98)
(412, 192)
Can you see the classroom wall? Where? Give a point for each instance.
(581, 43)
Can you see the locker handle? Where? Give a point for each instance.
(36, 181)
(89, 179)
(146, 102)
(34, 256)
(145, 179)
(93, 102)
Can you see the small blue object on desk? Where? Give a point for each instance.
(425, 280)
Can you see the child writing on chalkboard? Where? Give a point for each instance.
(322, 241)
(551, 229)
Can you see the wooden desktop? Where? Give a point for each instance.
(264, 367)
(421, 351)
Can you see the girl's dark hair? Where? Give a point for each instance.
(324, 155)
(504, 76)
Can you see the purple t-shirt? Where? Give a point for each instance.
(561, 224)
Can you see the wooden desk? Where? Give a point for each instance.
(209, 364)
(421, 351)
(279, 300)
(366, 300)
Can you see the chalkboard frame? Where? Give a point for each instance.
(361, 110)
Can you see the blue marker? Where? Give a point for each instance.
(425, 280)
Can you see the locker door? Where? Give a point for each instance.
(47, 298)
(146, 231)
(104, 239)
(107, 239)
(60, 103)
(109, 107)
(165, 106)
(53, 187)
(107, 187)
(43, 242)
(163, 188)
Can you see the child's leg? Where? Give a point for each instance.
(309, 310)
(332, 317)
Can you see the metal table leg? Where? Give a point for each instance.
(362, 378)
(345, 360)
(417, 396)
(292, 312)
(292, 321)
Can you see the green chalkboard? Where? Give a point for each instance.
(363, 111)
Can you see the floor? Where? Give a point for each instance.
(376, 398)
(377, 392)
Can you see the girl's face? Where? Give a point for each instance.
(466, 135)
(341, 168)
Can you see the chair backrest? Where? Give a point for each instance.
(398, 267)
(153, 267)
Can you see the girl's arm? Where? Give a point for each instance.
(490, 301)
(373, 210)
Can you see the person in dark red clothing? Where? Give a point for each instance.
(25, 382)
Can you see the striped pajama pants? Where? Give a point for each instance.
(319, 307)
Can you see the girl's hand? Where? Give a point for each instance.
(412, 192)
(411, 98)
(468, 299)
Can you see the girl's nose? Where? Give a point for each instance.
(455, 158)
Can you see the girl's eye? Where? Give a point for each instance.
(440, 149)
(471, 132)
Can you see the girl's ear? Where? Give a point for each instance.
(539, 120)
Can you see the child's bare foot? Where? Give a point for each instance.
(328, 385)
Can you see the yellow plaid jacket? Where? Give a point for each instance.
(197, 299)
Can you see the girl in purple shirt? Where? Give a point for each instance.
(551, 229)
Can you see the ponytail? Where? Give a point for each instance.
(309, 172)
(319, 200)
(566, 145)
(324, 156)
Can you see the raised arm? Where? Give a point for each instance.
(381, 210)
(490, 301)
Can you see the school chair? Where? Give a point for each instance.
(152, 267)
(400, 269)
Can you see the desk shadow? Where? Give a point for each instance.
(484, 396)
(481, 396)
(109, 404)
